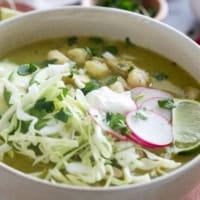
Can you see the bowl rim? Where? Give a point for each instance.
(178, 172)
(160, 15)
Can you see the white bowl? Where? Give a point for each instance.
(115, 24)
(196, 8)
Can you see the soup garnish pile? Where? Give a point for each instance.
(92, 112)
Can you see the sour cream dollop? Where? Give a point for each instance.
(109, 101)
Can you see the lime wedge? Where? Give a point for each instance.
(6, 13)
(186, 125)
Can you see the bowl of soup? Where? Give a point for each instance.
(97, 103)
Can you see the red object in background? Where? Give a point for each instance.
(19, 6)
(198, 40)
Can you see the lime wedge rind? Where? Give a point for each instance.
(193, 149)
(186, 126)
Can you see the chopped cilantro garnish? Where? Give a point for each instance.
(62, 115)
(92, 85)
(63, 93)
(42, 107)
(89, 51)
(93, 52)
(139, 115)
(27, 69)
(128, 42)
(96, 40)
(45, 63)
(160, 76)
(70, 75)
(24, 126)
(42, 104)
(112, 80)
(112, 49)
(115, 163)
(117, 122)
(73, 71)
(138, 97)
(166, 104)
(41, 123)
(96, 52)
(130, 68)
(72, 40)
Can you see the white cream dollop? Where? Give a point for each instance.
(106, 100)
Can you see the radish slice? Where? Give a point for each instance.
(152, 105)
(142, 94)
(99, 118)
(151, 129)
(134, 139)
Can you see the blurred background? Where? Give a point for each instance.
(181, 14)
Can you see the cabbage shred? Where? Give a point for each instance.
(47, 121)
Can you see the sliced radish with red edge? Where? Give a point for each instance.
(142, 94)
(152, 130)
(152, 105)
(137, 140)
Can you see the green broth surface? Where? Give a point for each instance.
(143, 58)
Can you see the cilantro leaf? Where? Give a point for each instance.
(92, 85)
(63, 93)
(42, 104)
(41, 123)
(24, 126)
(128, 42)
(62, 115)
(42, 107)
(160, 76)
(117, 122)
(27, 69)
(93, 51)
(72, 40)
(139, 115)
(96, 40)
(112, 49)
(167, 104)
(45, 63)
